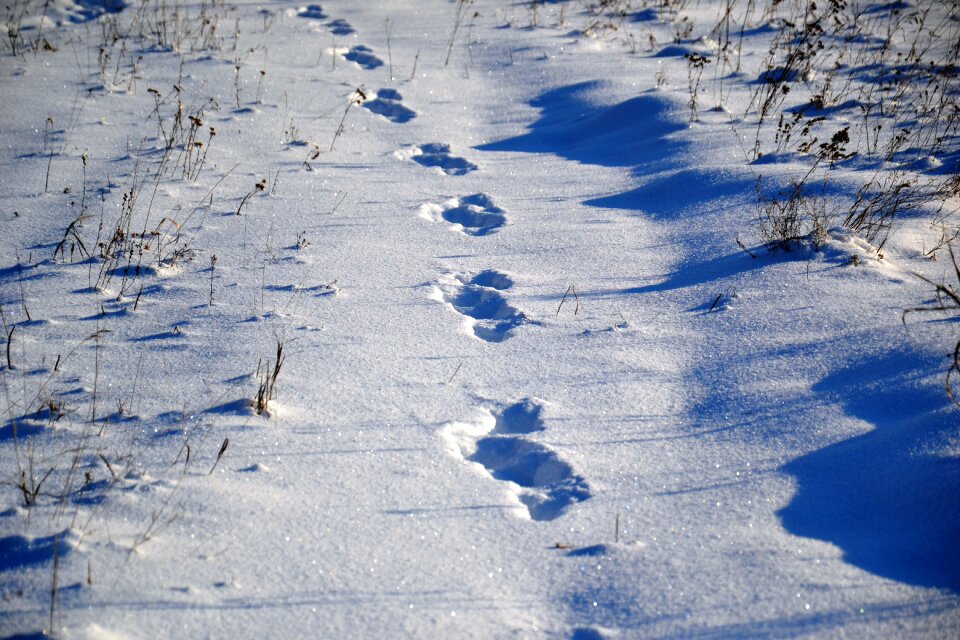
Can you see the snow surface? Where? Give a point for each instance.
(531, 386)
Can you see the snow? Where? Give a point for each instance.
(530, 384)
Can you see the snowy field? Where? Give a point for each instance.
(479, 319)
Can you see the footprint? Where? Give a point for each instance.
(550, 483)
(521, 417)
(363, 56)
(492, 279)
(311, 12)
(387, 104)
(340, 27)
(437, 155)
(474, 215)
(541, 480)
(479, 299)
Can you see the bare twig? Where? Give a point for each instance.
(458, 20)
(53, 586)
(9, 345)
(715, 302)
(356, 98)
(455, 372)
(571, 289)
(223, 450)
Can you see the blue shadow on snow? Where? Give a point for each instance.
(633, 133)
(675, 192)
(886, 498)
(18, 552)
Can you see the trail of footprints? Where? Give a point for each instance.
(385, 102)
(360, 54)
(502, 445)
(338, 27)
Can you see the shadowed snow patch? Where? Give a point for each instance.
(56, 13)
(17, 552)
(890, 498)
(592, 633)
(573, 125)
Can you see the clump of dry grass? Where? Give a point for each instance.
(267, 376)
(947, 300)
